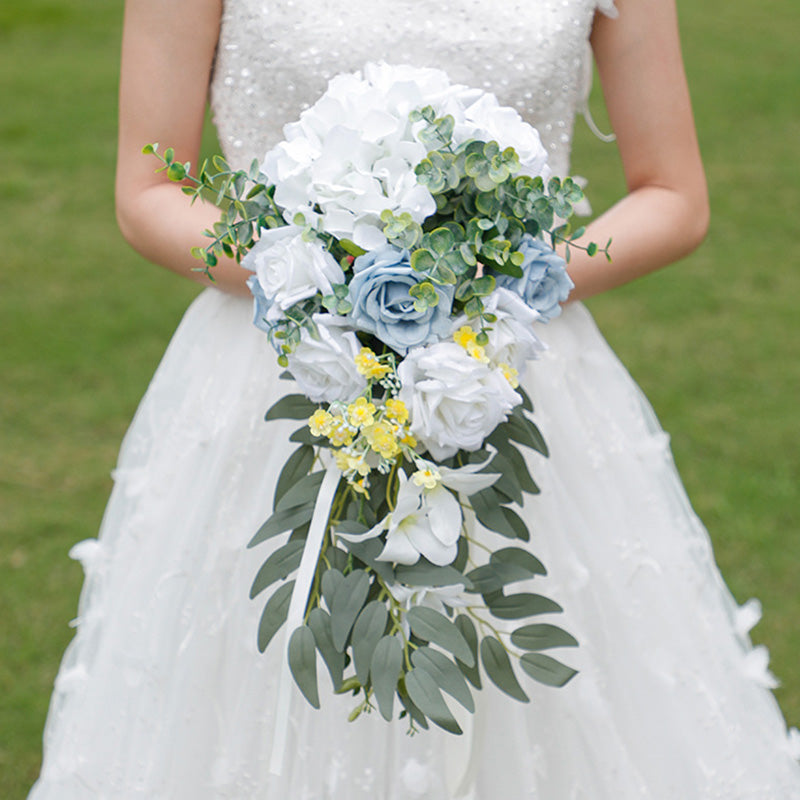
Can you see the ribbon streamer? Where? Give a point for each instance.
(297, 607)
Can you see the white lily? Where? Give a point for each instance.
(426, 521)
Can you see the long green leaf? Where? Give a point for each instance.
(320, 623)
(547, 670)
(431, 626)
(522, 430)
(348, 600)
(385, 667)
(423, 573)
(367, 632)
(498, 667)
(508, 482)
(302, 493)
(425, 694)
(282, 521)
(368, 552)
(523, 604)
(296, 467)
(291, 406)
(285, 560)
(488, 510)
(467, 628)
(331, 579)
(447, 675)
(303, 663)
(274, 614)
(519, 465)
(542, 637)
(411, 708)
(520, 559)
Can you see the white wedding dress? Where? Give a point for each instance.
(163, 695)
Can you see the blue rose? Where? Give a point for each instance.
(544, 284)
(382, 305)
(261, 304)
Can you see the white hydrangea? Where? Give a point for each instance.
(352, 154)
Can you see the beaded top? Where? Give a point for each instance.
(275, 58)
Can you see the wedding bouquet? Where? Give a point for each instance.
(401, 243)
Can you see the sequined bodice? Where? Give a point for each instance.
(276, 56)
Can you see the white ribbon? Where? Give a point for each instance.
(297, 607)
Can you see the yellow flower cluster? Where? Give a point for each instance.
(510, 374)
(466, 337)
(369, 366)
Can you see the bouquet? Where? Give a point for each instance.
(401, 241)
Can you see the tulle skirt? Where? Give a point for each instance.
(163, 695)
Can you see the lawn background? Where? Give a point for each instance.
(713, 341)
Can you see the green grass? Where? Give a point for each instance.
(83, 321)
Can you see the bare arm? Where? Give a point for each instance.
(665, 215)
(167, 53)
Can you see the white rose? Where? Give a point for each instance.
(487, 120)
(290, 269)
(512, 339)
(455, 401)
(325, 368)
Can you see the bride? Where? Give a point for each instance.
(163, 695)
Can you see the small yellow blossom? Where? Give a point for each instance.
(320, 422)
(478, 353)
(408, 439)
(361, 487)
(360, 413)
(382, 440)
(510, 374)
(339, 434)
(397, 410)
(368, 365)
(464, 336)
(426, 477)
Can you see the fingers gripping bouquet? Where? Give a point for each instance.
(401, 243)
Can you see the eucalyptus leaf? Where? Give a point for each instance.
(303, 663)
(304, 436)
(522, 430)
(291, 406)
(522, 604)
(425, 694)
(385, 668)
(542, 637)
(331, 579)
(447, 675)
(431, 626)
(296, 467)
(303, 492)
(367, 632)
(320, 623)
(282, 521)
(547, 670)
(368, 552)
(274, 614)
(522, 560)
(498, 667)
(423, 573)
(411, 708)
(282, 562)
(467, 628)
(347, 602)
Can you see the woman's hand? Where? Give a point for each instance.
(665, 215)
(167, 54)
